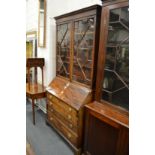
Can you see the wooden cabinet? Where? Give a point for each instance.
(107, 118)
(77, 40)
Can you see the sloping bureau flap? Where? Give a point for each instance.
(71, 93)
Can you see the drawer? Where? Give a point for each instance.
(65, 131)
(70, 125)
(49, 96)
(68, 115)
(62, 104)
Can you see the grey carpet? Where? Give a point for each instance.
(44, 139)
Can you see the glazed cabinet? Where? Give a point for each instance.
(77, 37)
(77, 45)
(107, 118)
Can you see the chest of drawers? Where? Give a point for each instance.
(65, 103)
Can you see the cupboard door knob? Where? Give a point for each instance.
(70, 109)
(51, 110)
(51, 118)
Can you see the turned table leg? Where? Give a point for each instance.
(33, 111)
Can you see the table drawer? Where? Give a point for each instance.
(66, 132)
(69, 116)
(70, 125)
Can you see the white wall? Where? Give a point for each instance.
(54, 8)
(31, 15)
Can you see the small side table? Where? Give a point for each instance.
(34, 90)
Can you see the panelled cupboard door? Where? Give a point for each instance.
(102, 138)
(106, 131)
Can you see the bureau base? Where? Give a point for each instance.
(76, 151)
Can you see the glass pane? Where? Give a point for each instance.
(63, 49)
(83, 48)
(116, 72)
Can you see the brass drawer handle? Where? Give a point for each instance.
(70, 109)
(69, 135)
(50, 103)
(50, 96)
(69, 117)
(70, 125)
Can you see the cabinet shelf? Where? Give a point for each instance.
(84, 66)
(80, 79)
(64, 47)
(112, 45)
(107, 91)
(85, 48)
(118, 25)
(109, 70)
(116, 44)
(67, 62)
(82, 33)
(122, 78)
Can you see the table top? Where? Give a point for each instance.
(35, 90)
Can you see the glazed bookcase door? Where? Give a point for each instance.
(63, 50)
(115, 87)
(84, 32)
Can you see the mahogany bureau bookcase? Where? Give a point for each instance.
(107, 118)
(77, 37)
